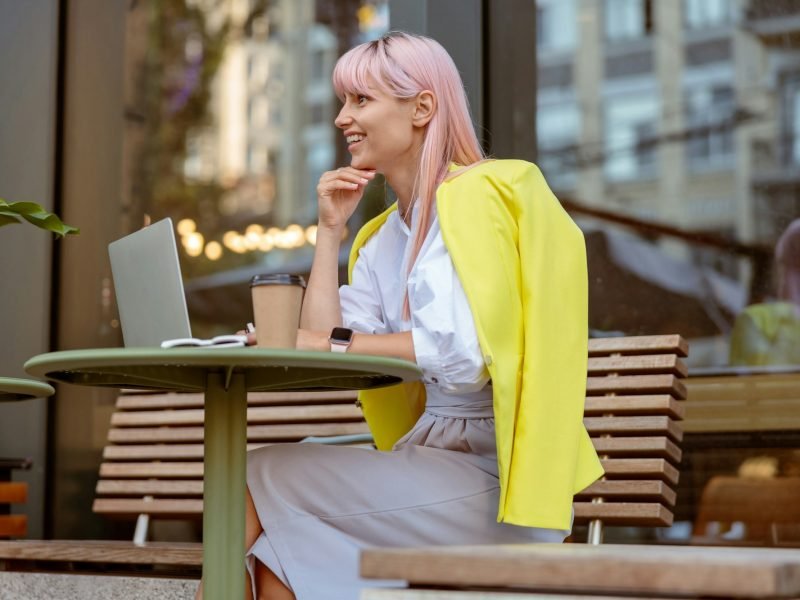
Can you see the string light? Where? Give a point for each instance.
(254, 238)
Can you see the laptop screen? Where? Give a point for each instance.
(149, 287)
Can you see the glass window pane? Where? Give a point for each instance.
(236, 126)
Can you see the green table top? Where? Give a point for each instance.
(23, 389)
(187, 369)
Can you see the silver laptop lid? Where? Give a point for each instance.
(148, 285)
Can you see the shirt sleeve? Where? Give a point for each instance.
(360, 301)
(445, 340)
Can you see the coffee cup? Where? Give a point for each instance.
(277, 299)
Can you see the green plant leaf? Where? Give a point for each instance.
(7, 219)
(10, 212)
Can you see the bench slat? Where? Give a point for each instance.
(13, 492)
(630, 490)
(640, 468)
(160, 451)
(642, 514)
(162, 401)
(273, 414)
(633, 425)
(642, 344)
(13, 525)
(161, 507)
(152, 469)
(636, 384)
(628, 365)
(254, 433)
(634, 405)
(646, 447)
(149, 487)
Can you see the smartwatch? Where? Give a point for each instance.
(340, 339)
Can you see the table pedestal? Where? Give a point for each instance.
(224, 467)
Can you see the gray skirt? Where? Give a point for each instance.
(321, 505)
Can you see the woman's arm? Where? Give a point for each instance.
(393, 345)
(338, 195)
(321, 309)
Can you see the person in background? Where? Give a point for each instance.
(769, 333)
(477, 275)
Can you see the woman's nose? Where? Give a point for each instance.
(342, 120)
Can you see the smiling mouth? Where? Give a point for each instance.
(352, 139)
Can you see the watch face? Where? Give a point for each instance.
(343, 335)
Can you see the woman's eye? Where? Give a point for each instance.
(361, 99)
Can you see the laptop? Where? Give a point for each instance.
(149, 287)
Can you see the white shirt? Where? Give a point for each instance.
(441, 324)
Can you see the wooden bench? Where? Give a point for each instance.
(12, 492)
(153, 468)
(634, 405)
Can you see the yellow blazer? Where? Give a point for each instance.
(522, 263)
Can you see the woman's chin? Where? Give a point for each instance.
(360, 163)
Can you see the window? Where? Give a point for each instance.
(558, 129)
(710, 125)
(630, 136)
(790, 144)
(707, 13)
(628, 19)
(555, 24)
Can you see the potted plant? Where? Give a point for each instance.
(17, 212)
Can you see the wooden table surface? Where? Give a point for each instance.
(660, 571)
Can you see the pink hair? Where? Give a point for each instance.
(403, 65)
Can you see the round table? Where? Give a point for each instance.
(12, 388)
(225, 375)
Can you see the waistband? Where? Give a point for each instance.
(474, 405)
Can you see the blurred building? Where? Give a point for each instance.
(683, 113)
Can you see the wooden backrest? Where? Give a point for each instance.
(154, 461)
(634, 405)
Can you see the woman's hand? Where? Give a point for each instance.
(313, 340)
(338, 195)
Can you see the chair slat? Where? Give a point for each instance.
(643, 344)
(149, 487)
(105, 552)
(636, 384)
(643, 447)
(630, 365)
(635, 405)
(640, 468)
(631, 490)
(13, 492)
(641, 426)
(13, 525)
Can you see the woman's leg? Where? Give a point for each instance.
(267, 584)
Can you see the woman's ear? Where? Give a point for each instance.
(424, 108)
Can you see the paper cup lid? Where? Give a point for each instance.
(277, 279)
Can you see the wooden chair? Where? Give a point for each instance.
(11, 492)
(634, 405)
(768, 510)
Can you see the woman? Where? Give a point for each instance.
(438, 280)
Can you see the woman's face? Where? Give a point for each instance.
(380, 131)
